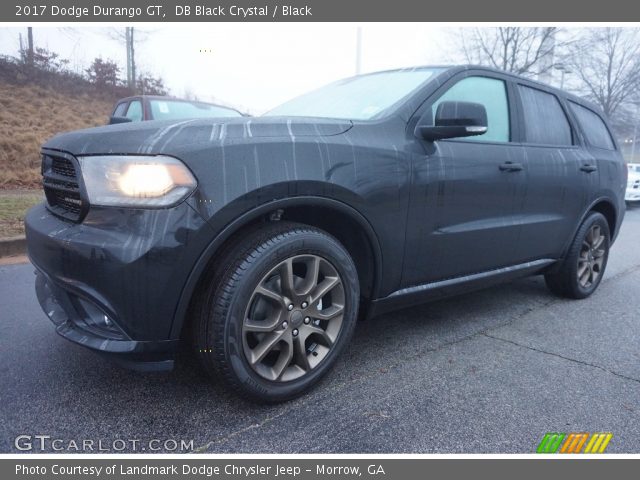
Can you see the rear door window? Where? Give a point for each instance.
(593, 127)
(544, 118)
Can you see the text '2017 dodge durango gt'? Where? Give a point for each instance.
(260, 241)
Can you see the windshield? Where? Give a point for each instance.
(177, 109)
(365, 97)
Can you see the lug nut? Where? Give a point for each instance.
(304, 304)
(284, 325)
(306, 320)
(295, 332)
(290, 307)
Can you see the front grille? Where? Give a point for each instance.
(61, 183)
(63, 167)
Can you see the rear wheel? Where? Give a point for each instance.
(278, 312)
(582, 269)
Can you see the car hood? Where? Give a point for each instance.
(154, 137)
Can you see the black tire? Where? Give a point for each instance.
(222, 303)
(565, 281)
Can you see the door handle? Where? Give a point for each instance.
(510, 167)
(588, 168)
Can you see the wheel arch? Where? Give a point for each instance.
(606, 207)
(608, 210)
(322, 212)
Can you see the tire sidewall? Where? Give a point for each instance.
(593, 219)
(298, 243)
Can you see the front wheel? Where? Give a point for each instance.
(582, 269)
(279, 311)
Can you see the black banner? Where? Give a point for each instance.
(315, 469)
(317, 11)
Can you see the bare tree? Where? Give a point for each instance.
(30, 45)
(131, 57)
(525, 51)
(607, 63)
(126, 37)
(26, 53)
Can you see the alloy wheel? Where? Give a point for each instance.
(592, 256)
(293, 318)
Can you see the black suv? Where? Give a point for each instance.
(261, 240)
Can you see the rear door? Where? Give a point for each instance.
(557, 179)
(599, 143)
(466, 193)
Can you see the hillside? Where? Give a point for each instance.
(29, 115)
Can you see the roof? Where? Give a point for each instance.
(453, 69)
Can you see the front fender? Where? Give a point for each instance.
(239, 221)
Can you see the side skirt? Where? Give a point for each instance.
(411, 296)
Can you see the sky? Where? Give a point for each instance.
(252, 66)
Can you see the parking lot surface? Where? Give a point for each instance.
(489, 371)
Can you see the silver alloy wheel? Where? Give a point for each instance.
(591, 258)
(293, 318)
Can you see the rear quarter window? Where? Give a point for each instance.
(593, 127)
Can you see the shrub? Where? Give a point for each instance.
(103, 73)
(149, 85)
(45, 60)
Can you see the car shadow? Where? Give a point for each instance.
(86, 395)
(388, 339)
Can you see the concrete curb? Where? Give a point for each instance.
(13, 246)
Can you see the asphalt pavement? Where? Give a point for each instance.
(486, 372)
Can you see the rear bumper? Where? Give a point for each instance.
(112, 282)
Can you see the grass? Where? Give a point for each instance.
(13, 206)
(31, 114)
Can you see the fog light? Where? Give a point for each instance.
(96, 320)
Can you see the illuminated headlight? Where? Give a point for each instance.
(136, 180)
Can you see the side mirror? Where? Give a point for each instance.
(453, 120)
(114, 120)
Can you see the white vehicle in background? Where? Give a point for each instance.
(633, 183)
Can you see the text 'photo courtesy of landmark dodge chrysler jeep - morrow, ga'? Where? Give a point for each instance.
(260, 241)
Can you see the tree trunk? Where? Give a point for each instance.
(30, 46)
(131, 60)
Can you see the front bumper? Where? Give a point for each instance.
(112, 282)
(82, 326)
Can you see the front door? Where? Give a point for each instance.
(465, 207)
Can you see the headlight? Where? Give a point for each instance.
(136, 180)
